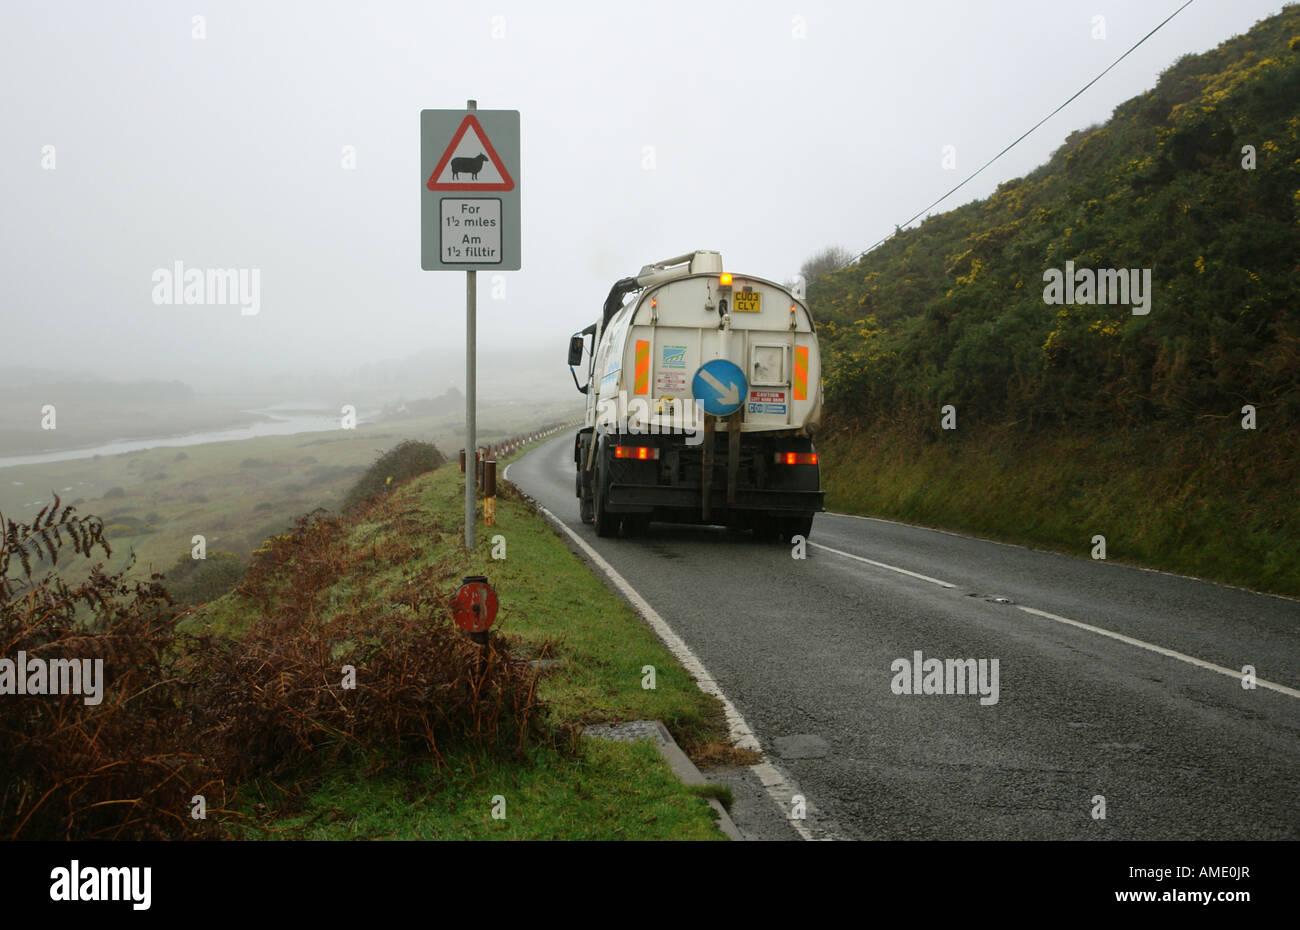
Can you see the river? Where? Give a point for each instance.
(278, 425)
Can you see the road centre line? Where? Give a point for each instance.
(1161, 650)
(892, 568)
(971, 537)
(1100, 631)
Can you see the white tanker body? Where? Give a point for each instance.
(703, 394)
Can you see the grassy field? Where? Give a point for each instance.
(234, 494)
(551, 607)
(1173, 502)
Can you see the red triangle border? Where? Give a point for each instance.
(506, 184)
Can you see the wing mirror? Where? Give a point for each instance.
(576, 346)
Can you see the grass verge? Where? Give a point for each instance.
(551, 607)
(1220, 505)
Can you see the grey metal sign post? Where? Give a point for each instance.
(469, 219)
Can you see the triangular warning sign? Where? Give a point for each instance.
(470, 163)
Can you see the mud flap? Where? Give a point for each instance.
(733, 453)
(706, 477)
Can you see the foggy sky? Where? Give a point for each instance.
(226, 152)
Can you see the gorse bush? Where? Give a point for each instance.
(192, 581)
(952, 312)
(399, 464)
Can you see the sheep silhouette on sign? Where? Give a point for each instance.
(471, 166)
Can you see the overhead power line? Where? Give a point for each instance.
(1022, 136)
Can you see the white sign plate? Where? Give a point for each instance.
(470, 230)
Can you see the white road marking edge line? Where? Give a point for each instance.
(779, 788)
(776, 785)
(1142, 644)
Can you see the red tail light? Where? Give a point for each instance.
(796, 458)
(641, 453)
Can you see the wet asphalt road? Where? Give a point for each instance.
(804, 648)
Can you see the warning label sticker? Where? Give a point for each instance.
(670, 382)
(767, 402)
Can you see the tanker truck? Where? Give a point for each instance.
(703, 391)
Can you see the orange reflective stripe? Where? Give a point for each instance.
(643, 366)
(800, 372)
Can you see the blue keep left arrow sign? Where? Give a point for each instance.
(719, 386)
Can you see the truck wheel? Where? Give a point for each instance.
(606, 522)
(766, 528)
(581, 482)
(797, 526)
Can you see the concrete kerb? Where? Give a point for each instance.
(677, 760)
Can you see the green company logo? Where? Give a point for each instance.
(674, 357)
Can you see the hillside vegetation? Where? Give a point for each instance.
(1081, 418)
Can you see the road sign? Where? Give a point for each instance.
(469, 155)
(469, 219)
(469, 190)
(474, 605)
(719, 386)
(470, 231)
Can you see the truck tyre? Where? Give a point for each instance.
(797, 526)
(766, 528)
(582, 481)
(606, 522)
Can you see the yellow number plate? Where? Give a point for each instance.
(747, 302)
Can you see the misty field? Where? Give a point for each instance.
(234, 494)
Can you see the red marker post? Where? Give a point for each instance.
(474, 607)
